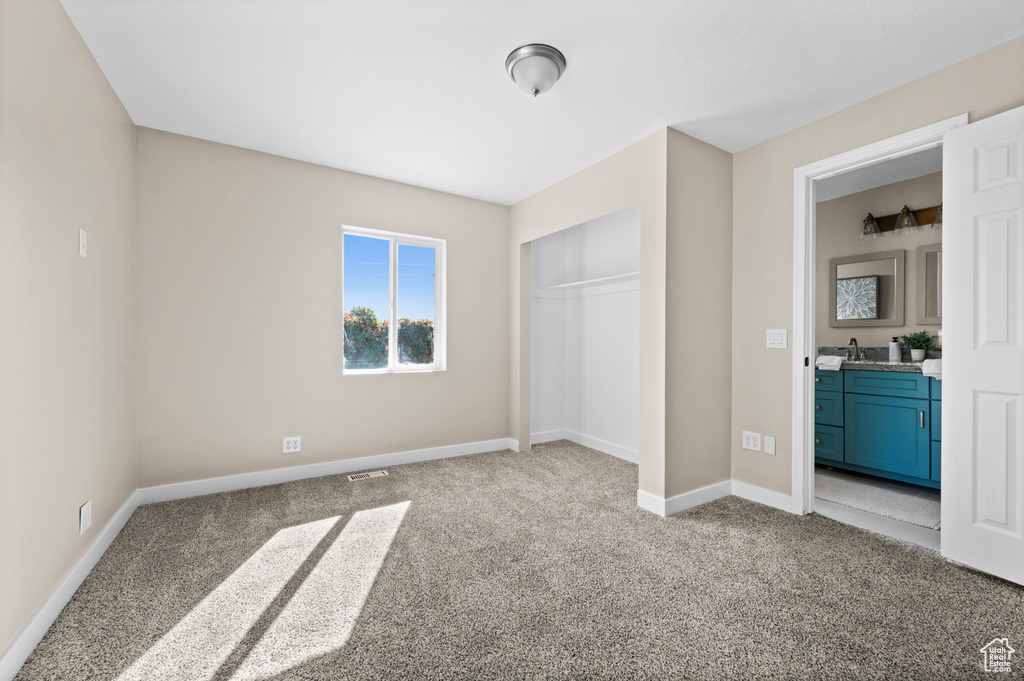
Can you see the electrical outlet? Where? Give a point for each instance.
(751, 440)
(769, 445)
(85, 517)
(83, 244)
(292, 444)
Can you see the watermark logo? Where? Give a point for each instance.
(997, 654)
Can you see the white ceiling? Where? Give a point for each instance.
(416, 91)
(880, 174)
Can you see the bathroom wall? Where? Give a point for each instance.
(839, 223)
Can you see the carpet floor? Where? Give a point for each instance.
(509, 566)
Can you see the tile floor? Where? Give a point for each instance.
(894, 485)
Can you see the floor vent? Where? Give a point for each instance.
(365, 476)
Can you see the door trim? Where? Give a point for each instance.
(930, 136)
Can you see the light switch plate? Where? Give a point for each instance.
(777, 339)
(85, 517)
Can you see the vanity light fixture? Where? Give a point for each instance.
(905, 221)
(535, 67)
(871, 229)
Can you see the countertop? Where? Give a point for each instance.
(877, 365)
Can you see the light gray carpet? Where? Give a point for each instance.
(510, 566)
(879, 500)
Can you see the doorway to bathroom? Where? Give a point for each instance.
(867, 429)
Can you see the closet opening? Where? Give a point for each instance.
(585, 335)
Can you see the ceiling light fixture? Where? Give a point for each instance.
(535, 68)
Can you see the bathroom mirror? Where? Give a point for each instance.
(867, 290)
(929, 284)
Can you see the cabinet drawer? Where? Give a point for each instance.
(936, 420)
(891, 383)
(888, 433)
(936, 461)
(828, 380)
(828, 408)
(828, 443)
(936, 387)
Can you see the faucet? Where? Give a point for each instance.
(857, 352)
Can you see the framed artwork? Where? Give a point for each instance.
(857, 298)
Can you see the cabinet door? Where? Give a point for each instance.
(888, 433)
(828, 444)
(828, 408)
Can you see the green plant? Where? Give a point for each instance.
(920, 340)
(416, 341)
(366, 340)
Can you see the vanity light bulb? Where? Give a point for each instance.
(871, 230)
(905, 221)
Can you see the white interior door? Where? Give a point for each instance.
(983, 386)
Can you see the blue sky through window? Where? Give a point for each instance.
(366, 277)
(415, 282)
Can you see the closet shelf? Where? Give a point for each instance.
(615, 278)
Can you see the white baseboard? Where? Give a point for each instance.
(764, 496)
(681, 502)
(30, 636)
(228, 483)
(548, 436)
(615, 450)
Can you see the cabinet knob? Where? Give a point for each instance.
(817, 441)
(817, 406)
(817, 380)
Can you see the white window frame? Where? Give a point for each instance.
(396, 239)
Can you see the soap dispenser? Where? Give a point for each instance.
(895, 354)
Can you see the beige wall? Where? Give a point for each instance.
(67, 426)
(635, 175)
(985, 85)
(699, 320)
(240, 315)
(838, 226)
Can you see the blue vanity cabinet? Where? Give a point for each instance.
(936, 395)
(891, 434)
(829, 440)
(884, 423)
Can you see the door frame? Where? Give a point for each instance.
(804, 350)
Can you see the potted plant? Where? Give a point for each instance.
(919, 344)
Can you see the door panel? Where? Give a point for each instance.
(983, 375)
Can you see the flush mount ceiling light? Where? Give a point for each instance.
(535, 68)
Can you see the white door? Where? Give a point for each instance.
(983, 375)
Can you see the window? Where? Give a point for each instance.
(393, 300)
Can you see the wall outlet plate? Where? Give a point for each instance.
(769, 445)
(751, 440)
(85, 517)
(292, 444)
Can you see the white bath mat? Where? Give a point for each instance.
(878, 500)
